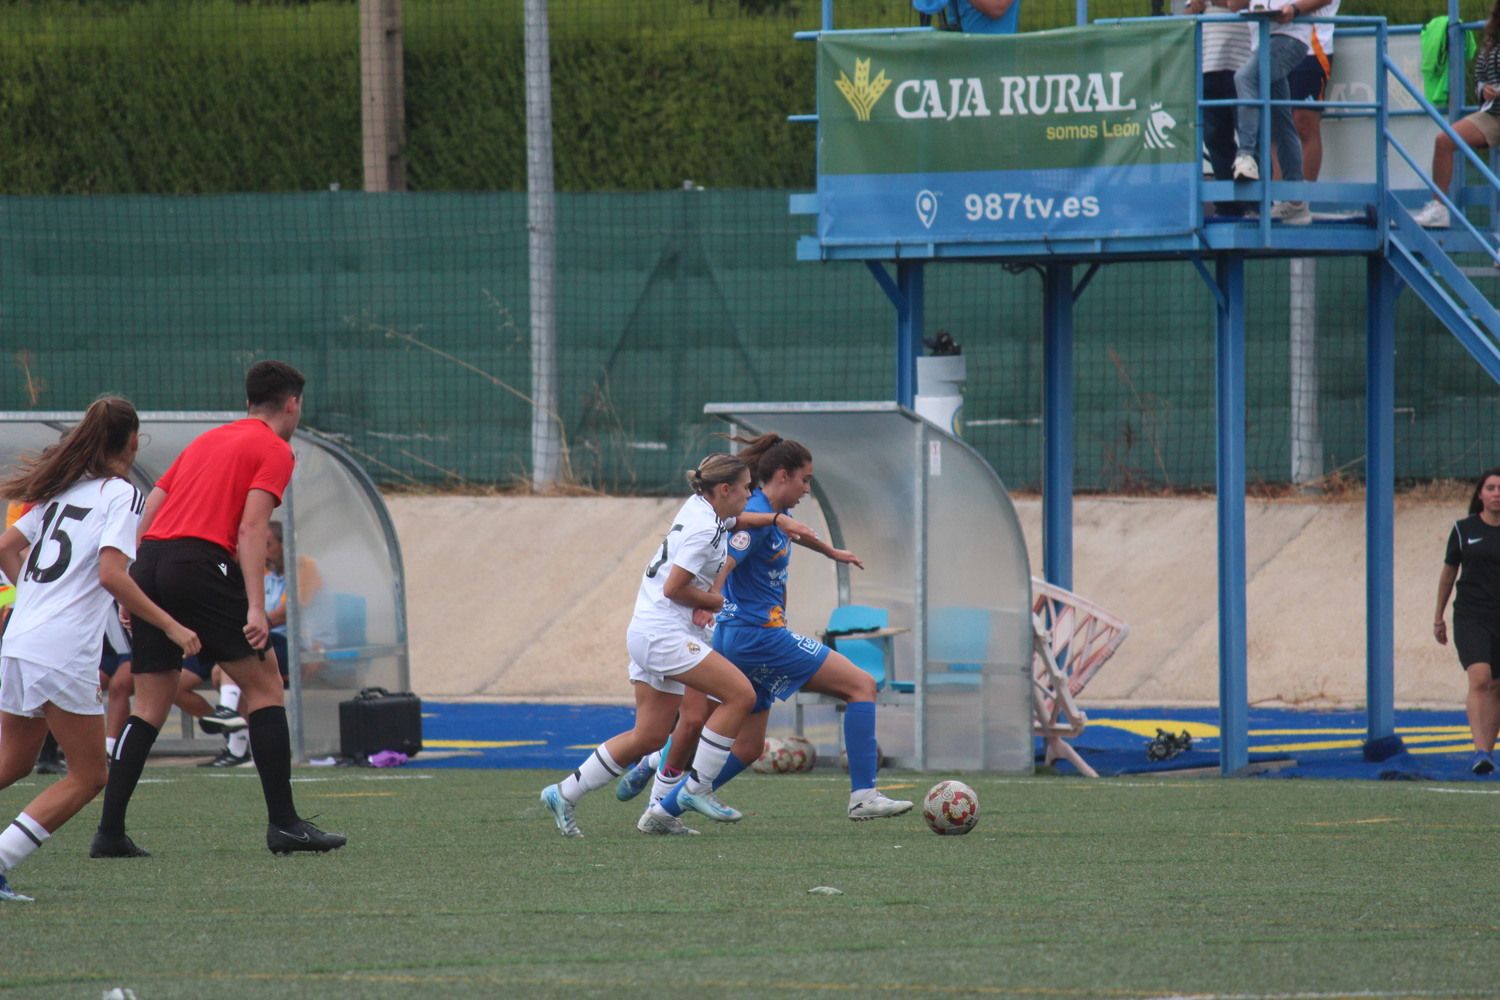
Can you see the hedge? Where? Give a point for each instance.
(197, 96)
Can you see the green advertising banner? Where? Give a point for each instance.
(949, 137)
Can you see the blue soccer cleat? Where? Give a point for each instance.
(10, 895)
(1483, 762)
(709, 805)
(634, 781)
(561, 810)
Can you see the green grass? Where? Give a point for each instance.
(455, 883)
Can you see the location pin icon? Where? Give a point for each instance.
(927, 206)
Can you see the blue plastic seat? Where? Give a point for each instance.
(868, 655)
(957, 644)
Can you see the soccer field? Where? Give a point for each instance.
(456, 883)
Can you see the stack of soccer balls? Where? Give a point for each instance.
(791, 755)
(951, 808)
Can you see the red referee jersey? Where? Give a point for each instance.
(207, 485)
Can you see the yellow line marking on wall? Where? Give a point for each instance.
(481, 744)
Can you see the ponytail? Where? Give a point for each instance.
(769, 452)
(88, 451)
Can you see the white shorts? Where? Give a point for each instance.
(666, 654)
(640, 675)
(25, 687)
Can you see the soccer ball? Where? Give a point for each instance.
(951, 807)
(772, 759)
(803, 754)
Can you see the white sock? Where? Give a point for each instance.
(708, 761)
(109, 746)
(653, 760)
(595, 772)
(229, 696)
(23, 836)
(662, 787)
(239, 742)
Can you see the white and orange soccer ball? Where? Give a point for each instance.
(802, 753)
(951, 808)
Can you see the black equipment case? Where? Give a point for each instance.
(376, 720)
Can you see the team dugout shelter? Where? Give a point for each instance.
(345, 587)
(946, 568)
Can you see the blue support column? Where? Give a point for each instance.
(1234, 699)
(1380, 519)
(1057, 425)
(908, 330)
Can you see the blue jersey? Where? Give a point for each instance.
(755, 592)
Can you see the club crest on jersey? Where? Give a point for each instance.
(740, 540)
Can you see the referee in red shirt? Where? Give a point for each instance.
(203, 558)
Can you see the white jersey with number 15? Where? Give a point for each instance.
(60, 607)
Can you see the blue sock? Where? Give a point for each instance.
(669, 801)
(666, 748)
(859, 743)
(731, 767)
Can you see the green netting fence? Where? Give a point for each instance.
(180, 195)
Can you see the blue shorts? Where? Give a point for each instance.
(109, 661)
(1308, 81)
(778, 661)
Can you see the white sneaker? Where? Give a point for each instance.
(870, 804)
(561, 810)
(1433, 215)
(1293, 213)
(1245, 168)
(654, 821)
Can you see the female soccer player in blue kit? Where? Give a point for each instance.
(752, 632)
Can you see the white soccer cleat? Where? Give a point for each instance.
(656, 822)
(1245, 168)
(561, 810)
(709, 805)
(1433, 215)
(870, 804)
(10, 895)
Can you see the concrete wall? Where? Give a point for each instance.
(528, 598)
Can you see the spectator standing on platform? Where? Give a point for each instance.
(1481, 130)
(985, 17)
(1226, 47)
(1309, 82)
(1291, 42)
(1474, 547)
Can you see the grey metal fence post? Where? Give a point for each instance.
(541, 223)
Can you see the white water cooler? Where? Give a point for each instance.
(940, 391)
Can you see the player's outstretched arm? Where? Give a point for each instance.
(837, 555)
(794, 529)
(114, 576)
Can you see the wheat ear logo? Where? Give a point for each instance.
(863, 93)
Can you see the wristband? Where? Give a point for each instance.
(774, 517)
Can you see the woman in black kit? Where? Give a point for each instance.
(1474, 544)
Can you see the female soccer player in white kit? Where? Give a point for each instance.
(81, 532)
(670, 649)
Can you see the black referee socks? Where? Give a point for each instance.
(271, 746)
(131, 751)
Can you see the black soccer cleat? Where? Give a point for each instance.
(222, 720)
(115, 845)
(302, 836)
(228, 758)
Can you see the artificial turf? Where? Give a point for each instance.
(456, 883)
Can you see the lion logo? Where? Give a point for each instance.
(1157, 126)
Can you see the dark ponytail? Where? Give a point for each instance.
(88, 451)
(769, 452)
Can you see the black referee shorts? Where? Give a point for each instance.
(199, 584)
(1477, 641)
